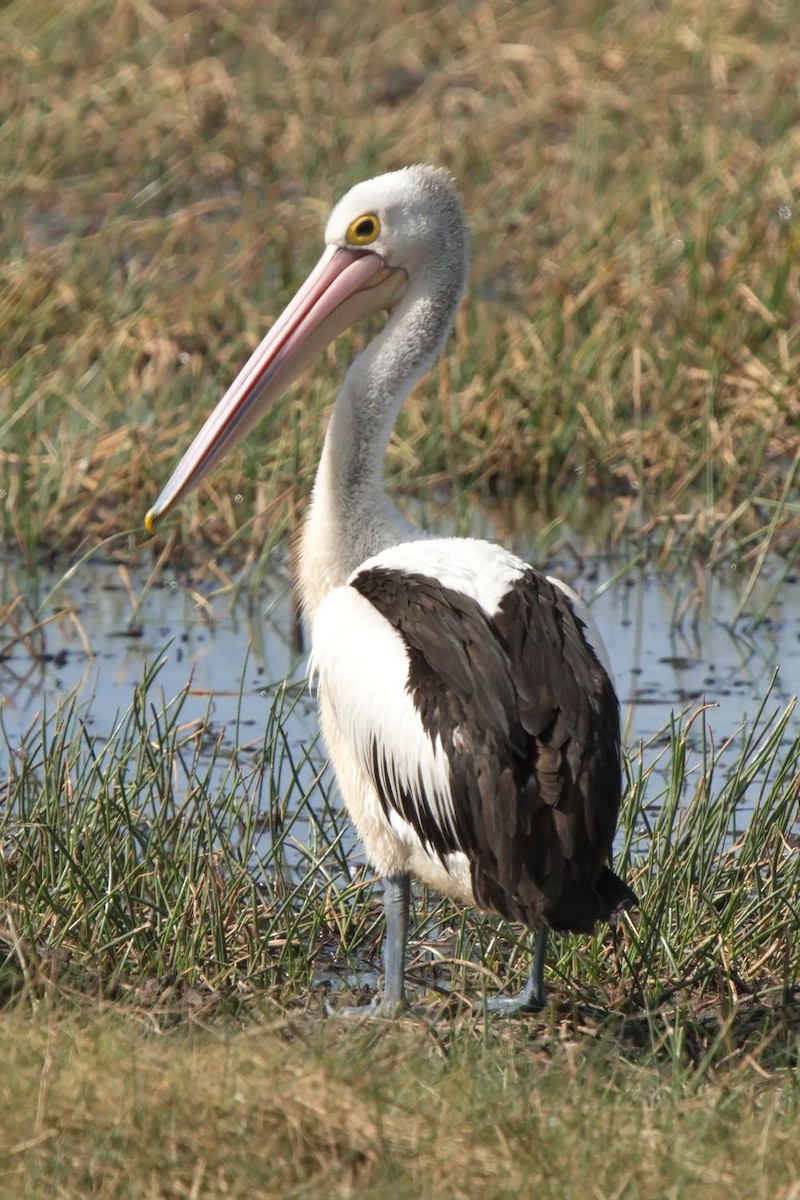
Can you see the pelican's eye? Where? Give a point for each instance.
(363, 230)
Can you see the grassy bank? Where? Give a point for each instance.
(630, 337)
(155, 862)
(174, 913)
(165, 965)
(101, 1107)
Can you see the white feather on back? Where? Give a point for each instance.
(478, 569)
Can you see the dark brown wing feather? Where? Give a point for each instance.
(529, 721)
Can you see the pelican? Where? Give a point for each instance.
(466, 700)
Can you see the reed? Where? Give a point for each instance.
(167, 945)
(175, 909)
(155, 862)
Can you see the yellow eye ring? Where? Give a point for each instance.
(363, 230)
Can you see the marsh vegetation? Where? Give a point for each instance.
(624, 372)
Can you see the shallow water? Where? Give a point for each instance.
(91, 631)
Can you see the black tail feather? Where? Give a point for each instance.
(615, 896)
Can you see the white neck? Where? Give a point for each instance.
(350, 517)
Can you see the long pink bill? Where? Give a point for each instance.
(344, 287)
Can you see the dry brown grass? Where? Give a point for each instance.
(630, 341)
(631, 175)
(163, 972)
(100, 1108)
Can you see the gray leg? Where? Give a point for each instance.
(396, 901)
(533, 997)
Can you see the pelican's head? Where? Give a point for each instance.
(381, 239)
(407, 217)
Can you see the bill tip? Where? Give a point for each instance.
(150, 520)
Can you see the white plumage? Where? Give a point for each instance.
(361, 666)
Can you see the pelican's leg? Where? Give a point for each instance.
(533, 996)
(396, 903)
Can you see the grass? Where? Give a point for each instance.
(630, 335)
(158, 858)
(165, 962)
(102, 1109)
(173, 911)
